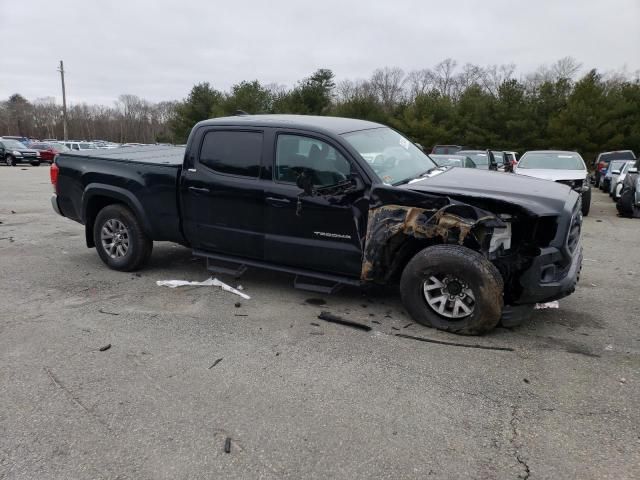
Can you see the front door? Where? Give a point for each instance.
(221, 192)
(312, 232)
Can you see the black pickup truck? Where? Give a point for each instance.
(334, 201)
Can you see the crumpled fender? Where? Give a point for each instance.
(434, 218)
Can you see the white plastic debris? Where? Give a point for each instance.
(608, 348)
(543, 306)
(211, 282)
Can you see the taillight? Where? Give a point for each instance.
(53, 173)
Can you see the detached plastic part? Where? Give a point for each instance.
(211, 282)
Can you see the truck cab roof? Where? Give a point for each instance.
(334, 125)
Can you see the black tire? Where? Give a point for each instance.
(35, 164)
(10, 161)
(586, 202)
(139, 244)
(480, 275)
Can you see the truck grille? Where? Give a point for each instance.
(573, 237)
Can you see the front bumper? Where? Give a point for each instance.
(545, 280)
(54, 204)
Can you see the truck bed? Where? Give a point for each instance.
(150, 154)
(143, 178)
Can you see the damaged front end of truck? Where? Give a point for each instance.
(402, 222)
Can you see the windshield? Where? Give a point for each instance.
(60, 147)
(624, 155)
(394, 158)
(479, 158)
(86, 146)
(552, 161)
(616, 165)
(13, 144)
(448, 160)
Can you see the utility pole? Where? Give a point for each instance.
(64, 102)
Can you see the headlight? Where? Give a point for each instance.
(38, 154)
(16, 153)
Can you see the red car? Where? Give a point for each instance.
(49, 150)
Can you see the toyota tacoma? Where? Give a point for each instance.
(333, 201)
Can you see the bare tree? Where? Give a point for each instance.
(495, 75)
(387, 83)
(443, 75)
(419, 82)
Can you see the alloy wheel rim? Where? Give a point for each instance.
(449, 296)
(114, 236)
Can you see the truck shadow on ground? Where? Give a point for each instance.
(380, 308)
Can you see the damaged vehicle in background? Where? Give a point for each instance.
(558, 166)
(333, 201)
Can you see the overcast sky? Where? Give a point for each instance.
(159, 49)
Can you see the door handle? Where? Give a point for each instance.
(199, 189)
(278, 201)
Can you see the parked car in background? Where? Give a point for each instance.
(617, 180)
(484, 159)
(510, 161)
(48, 150)
(559, 166)
(453, 161)
(13, 152)
(72, 145)
(628, 204)
(602, 162)
(605, 176)
(446, 149)
(18, 138)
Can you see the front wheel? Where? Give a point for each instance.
(453, 288)
(120, 240)
(10, 161)
(586, 202)
(35, 164)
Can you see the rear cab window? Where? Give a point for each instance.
(232, 152)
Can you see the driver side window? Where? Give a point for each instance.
(323, 163)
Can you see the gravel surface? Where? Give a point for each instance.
(189, 375)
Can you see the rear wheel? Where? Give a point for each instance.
(586, 202)
(453, 288)
(35, 164)
(120, 240)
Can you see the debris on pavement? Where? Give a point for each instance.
(331, 318)
(227, 445)
(608, 348)
(105, 348)
(107, 312)
(215, 363)
(211, 282)
(623, 380)
(315, 301)
(544, 306)
(454, 344)
(237, 305)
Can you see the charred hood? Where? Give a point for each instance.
(537, 197)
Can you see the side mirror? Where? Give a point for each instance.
(616, 172)
(305, 183)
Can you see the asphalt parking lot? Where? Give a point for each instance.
(298, 397)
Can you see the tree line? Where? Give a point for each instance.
(448, 103)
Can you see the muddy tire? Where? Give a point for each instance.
(586, 202)
(453, 288)
(120, 240)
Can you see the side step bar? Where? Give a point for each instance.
(304, 279)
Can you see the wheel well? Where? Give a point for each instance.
(94, 205)
(408, 247)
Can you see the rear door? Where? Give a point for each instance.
(313, 232)
(221, 192)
